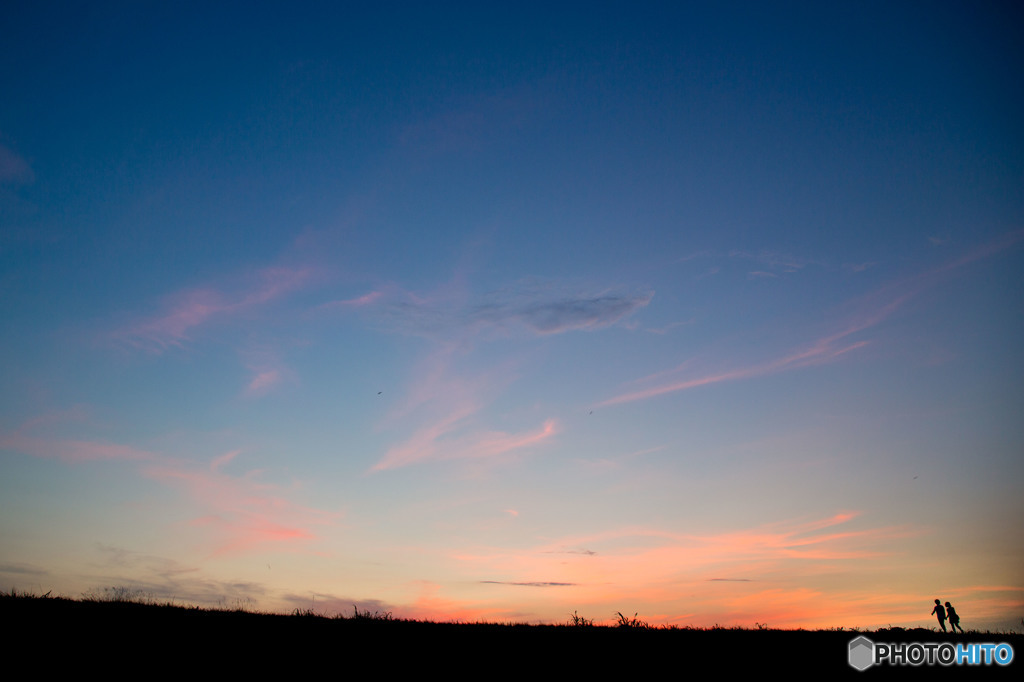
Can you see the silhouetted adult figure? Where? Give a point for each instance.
(940, 613)
(954, 618)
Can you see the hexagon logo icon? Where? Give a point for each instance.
(862, 653)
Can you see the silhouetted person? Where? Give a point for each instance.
(940, 613)
(954, 618)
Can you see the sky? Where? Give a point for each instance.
(706, 312)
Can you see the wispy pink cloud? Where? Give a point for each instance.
(170, 328)
(243, 512)
(430, 443)
(73, 450)
(221, 461)
(430, 605)
(77, 413)
(268, 372)
(241, 531)
(652, 566)
(263, 382)
(812, 539)
(358, 302)
(277, 281)
(824, 350)
(879, 307)
(190, 309)
(496, 443)
(423, 444)
(446, 404)
(439, 390)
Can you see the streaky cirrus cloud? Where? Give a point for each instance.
(223, 460)
(859, 267)
(267, 370)
(20, 568)
(557, 316)
(432, 442)
(497, 442)
(187, 310)
(554, 312)
(527, 584)
(263, 382)
(819, 352)
(441, 399)
(71, 450)
(357, 302)
(445, 403)
(423, 444)
(773, 259)
(876, 308)
(539, 308)
(448, 401)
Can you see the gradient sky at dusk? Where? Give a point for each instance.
(710, 312)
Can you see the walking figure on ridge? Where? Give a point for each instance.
(940, 613)
(954, 618)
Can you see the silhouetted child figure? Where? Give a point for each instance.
(940, 613)
(954, 618)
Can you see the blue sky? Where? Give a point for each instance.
(710, 312)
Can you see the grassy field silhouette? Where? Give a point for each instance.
(142, 629)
